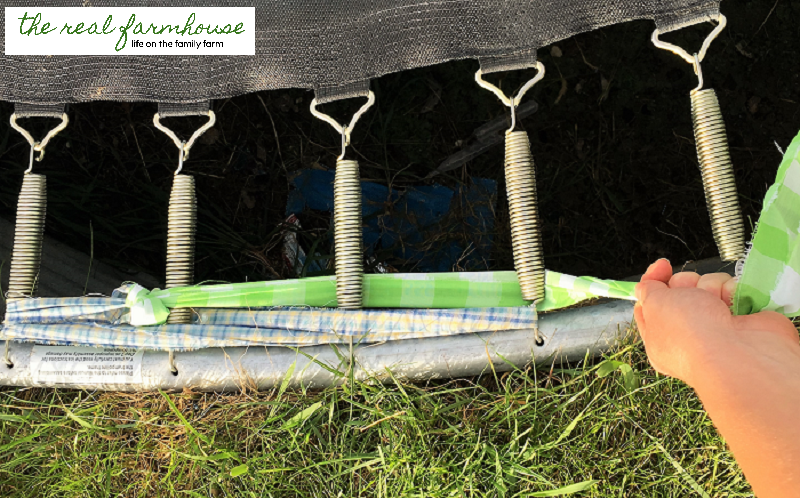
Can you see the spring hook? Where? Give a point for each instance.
(181, 225)
(526, 238)
(171, 361)
(537, 335)
(347, 232)
(7, 355)
(713, 156)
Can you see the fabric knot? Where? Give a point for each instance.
(145, 308)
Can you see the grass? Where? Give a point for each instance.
(594, 430)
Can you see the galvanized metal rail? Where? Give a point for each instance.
(570, 335)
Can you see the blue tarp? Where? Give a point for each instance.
(430, 228)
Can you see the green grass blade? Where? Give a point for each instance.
(566, 490)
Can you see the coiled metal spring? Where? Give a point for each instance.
(348, 238)
(26, 256)
(526, 239)
(181, 227)
(717, 172)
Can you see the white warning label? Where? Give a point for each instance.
(86, 366)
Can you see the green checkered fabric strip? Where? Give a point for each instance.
(770, 276)
(398, 290)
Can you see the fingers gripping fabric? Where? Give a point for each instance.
(297, 42)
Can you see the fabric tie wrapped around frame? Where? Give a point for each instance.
(425, 290)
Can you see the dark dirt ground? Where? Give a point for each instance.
(617, 170)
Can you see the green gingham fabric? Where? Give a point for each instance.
(140, 307)
(398, 290)
(769, 279)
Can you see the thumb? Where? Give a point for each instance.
(661, 271)
(647, 287)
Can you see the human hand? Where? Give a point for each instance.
(686, 324)
(744, 369)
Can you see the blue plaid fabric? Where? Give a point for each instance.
(93, 321)
(58, 310)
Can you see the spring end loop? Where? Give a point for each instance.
(537, 334)
(171, 360)
(30, 162)
(348, 237)
(716, 169)
(699, 72)
(526, 238)
(7, 355)
(182, 155)
(345, 143)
